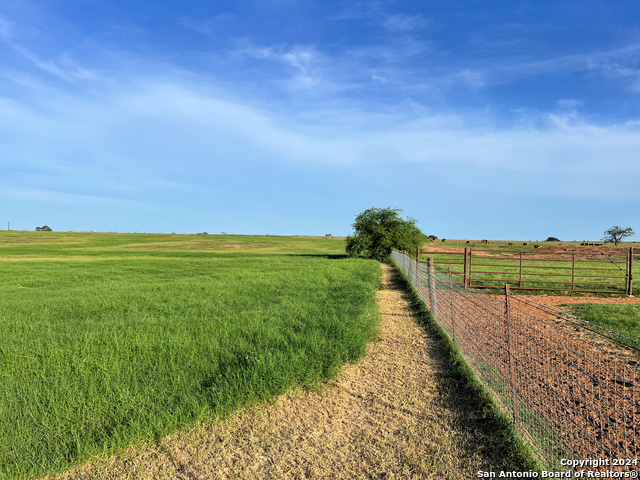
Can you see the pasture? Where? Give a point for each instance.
(108, 339)
(621, 319)
(552, 264)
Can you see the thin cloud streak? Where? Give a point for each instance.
(34, 195)
(404, 23)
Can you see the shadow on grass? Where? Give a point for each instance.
(491, 433)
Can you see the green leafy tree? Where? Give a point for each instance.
(552, 239)
(379, 230)
(616, 234)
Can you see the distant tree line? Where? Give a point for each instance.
(44, 228)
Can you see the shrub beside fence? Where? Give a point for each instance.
(569, 397)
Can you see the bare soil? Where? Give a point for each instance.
(397, 413)
(555, 300)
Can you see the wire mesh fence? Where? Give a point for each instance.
(570, 395)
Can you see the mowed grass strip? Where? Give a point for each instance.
(97, 355)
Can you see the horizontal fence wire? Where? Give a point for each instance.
(595, 272)
(570, 395)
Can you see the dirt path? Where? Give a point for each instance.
(395, 414)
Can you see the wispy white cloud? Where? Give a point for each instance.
(571, 104)
(379, 13)
(630, 77)
(404, 23)
(5, 29)
(398, 50)
(480, 73)
(509, 70)
(358, 11)
(62, 65)
(208, 26)
(305, 60)
(412, 62)
(38, 195)
(187, 129)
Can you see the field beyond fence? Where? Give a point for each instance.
(595, 271)
(569, 397)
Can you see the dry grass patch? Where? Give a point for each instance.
(398, 413)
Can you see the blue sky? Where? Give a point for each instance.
(501, 119)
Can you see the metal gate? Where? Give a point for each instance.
(532, 270)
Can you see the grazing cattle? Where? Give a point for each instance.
(488, 242)
(525, 244)
(444, 240)
(536, 246)
(510, 244)
(467, 242)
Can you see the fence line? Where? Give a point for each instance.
(533, 270)
(569, 397)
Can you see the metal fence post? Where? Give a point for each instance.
(418, 270)
(514, 397)
(425, 297)
(432, 286)
(520, 277)
(465, 267)
(453, 311)
(630, 273)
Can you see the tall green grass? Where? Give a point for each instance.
(95, 355)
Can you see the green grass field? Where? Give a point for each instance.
(622, 319)
(109, 339)
(558, 272)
